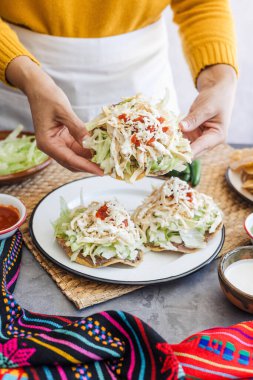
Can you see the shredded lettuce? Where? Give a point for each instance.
(102, 144)
(135, 138)
(177, 214)
(165, 164)
(19, 153)
(193, 238)
(88, 235)
(66, 215)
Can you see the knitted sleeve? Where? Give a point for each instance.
(10, 48)
(207, 32)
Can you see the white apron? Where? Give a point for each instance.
(95, 71)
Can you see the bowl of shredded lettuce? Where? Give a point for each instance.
(19, 156)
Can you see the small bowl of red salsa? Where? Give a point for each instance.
(12, 215)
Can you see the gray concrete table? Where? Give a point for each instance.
(174, 309)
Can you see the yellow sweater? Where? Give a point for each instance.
(206, 26)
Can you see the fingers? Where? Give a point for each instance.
(72, 161)
(205, 142)
(70, 142)
(197, 116)
(75, 126)
(80, 151)
(192, 136)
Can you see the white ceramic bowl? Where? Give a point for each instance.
(9, 200)
(248, 226)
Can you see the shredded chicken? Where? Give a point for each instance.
(176, 213)
(101, 229)
(134, 138)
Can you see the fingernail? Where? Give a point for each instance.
(100, 172)
(184, 124)
(85, 141)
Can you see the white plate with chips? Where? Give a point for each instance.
(234, 180)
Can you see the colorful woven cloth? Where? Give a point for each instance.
(109, 345)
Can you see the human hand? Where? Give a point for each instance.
(59, 132)
(208, 120)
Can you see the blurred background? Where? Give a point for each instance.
(241, 129)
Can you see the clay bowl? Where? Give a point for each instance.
(248, 226)
(10, 179)
(239, 298)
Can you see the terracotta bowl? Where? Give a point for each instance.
(239, 298)
(9, 179)
(248, 226)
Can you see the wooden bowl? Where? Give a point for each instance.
(10, 179)
(239, 298)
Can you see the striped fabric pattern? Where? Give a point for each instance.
(111, 345)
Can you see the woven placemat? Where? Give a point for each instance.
(85, 293)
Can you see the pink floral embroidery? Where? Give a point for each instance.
(11, 356)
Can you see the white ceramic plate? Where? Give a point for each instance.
(234, 181)
(156, 266)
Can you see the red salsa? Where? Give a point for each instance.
(9, 215)
(125, 222)
(161, 119)
(139, 118)
(189, 195)
(135, 141)
(150, 141)
(102, 212)
(123, 116)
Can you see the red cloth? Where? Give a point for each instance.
(218, 353)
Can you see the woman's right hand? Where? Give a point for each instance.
(59, 132)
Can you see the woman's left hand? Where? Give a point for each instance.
(208, 120)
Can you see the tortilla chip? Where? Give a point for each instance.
(248, 184)
(249, 170)
(181, 248)
(245, 176)
(140, 176)
(246, 163)
(241, 154)
(86, 261)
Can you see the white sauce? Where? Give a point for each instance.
(240, 274)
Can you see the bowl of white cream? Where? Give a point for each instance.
(236, 277)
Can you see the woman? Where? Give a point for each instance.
(94, 52)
